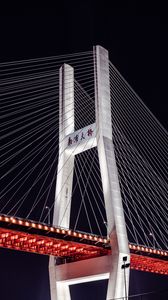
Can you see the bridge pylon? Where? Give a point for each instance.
(107, 267)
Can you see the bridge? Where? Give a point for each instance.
(106, 152)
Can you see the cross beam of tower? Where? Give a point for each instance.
(101, 137)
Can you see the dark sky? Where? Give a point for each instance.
(138, 48)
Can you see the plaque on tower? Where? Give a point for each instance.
(81, 140)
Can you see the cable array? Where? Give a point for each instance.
(141, 150)
(29, 130)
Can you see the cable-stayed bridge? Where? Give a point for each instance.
(75, 122)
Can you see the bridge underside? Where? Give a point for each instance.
(24, 235)
(72, 246)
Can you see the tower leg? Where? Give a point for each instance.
(58, 290)
(115, 216)
(62, 205)
(118, 285)
(62, 291)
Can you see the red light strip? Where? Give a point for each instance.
(46, 245)
(39, 226)
(148, 250)
(149, 264)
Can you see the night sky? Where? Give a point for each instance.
(138, 48)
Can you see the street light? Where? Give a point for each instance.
(48, 214)
(124, 266)
(106, 224)
(151, 235)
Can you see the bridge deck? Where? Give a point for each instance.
(29, 236)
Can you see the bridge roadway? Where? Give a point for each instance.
(71, 246)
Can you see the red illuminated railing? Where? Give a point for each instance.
(26, 235)
(29, 236)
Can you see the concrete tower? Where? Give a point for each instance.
(108, 267)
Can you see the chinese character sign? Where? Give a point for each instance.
(81, 135)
